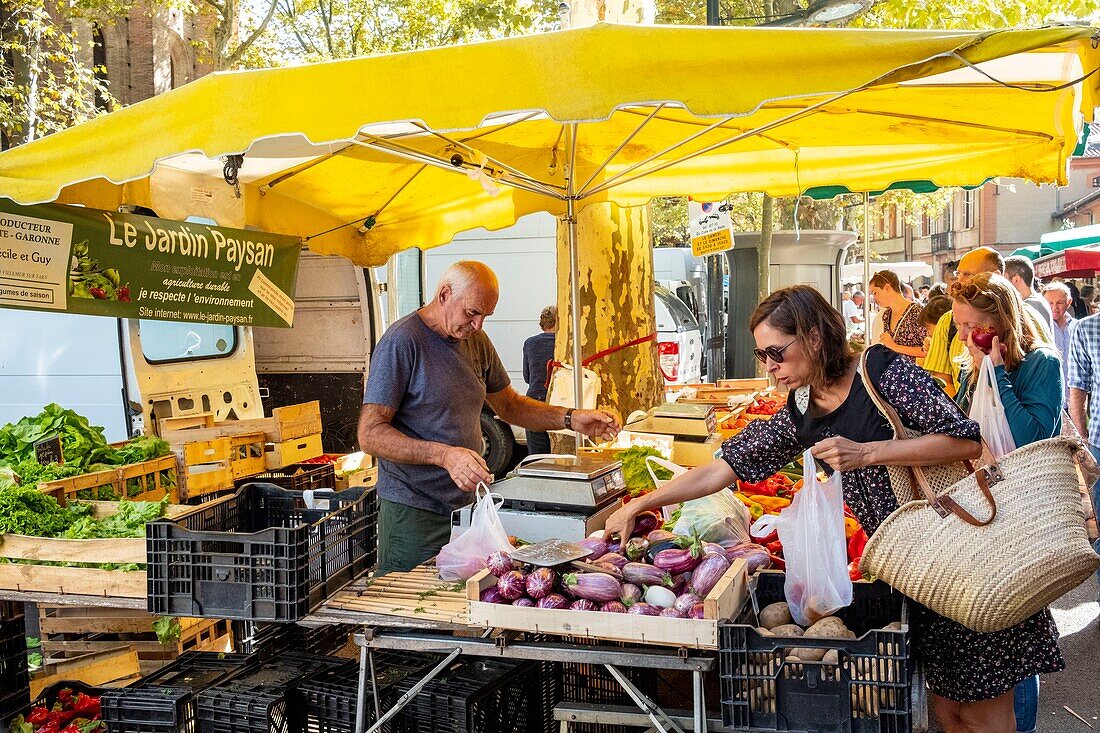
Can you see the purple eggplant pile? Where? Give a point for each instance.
(654, 573)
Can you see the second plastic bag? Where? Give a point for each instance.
(464, 556)
(988, 411)
(715, 518)
(812, 532)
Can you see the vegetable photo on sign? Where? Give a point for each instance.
(87, 279)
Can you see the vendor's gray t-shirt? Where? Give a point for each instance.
(437, 387)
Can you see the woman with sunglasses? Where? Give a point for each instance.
(801, 340)
(1029, 381)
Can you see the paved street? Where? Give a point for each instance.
(1079, 686)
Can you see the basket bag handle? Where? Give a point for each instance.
(943, 505)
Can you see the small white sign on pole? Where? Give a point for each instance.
(711, 231)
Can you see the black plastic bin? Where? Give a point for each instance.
(258, 699)
(15, 689)
(481, 695)
(164, 702)
(868, 691)
(326, 700)
(296, 477)
(260, 554)
(267, 640)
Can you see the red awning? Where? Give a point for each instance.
(1076, 262)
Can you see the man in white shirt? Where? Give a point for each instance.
(853, 311)
(1059, 298)
(1021, 273)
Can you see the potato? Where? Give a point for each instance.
(830, 627)
(777, 614)
(763, 632)
(787, 630)
(895, 626)
(831, 657)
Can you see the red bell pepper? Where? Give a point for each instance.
(775, 548)
(38, 716)
(777, 562)
(86, 706)
(853, 570)
(771, 537)
(856, 543)
(764, 488)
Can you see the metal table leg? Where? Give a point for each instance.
(402, 701)
(700, 703)
(658, 716)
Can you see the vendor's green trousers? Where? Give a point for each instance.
(408, 536)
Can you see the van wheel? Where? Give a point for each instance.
(498, 444)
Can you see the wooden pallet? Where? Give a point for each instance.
(113, 666)
(78, 630)
(418, 594)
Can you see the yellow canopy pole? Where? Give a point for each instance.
(574, 276)
(866, 269)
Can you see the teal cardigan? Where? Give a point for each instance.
(1032, 396)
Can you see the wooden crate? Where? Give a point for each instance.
(145, 481)
(209, 466)
(79, 581)
(285, 423)
(112, 666)
(752, 383)
(721, 603)
(277, 455)
(79, 629)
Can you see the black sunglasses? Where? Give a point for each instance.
(772, 352)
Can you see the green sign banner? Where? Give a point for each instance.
(103, 263)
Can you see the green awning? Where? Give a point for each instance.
(1032, 252)
(1067, 238)
(824, 193)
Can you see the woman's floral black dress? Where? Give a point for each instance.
(908, 331)
(960, 664)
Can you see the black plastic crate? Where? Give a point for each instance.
(257, 700)
(260, 554)
(15, 690)
(481, 695)
(868, 691)
(260, 639)
(48, 697)
(164, 702)
(593, 684)
(326, 700)
(296, 477)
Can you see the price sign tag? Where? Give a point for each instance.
(49, 451)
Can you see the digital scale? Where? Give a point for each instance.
(555, 497)
(691, 426)
(689, 421)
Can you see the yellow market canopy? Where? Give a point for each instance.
(368, 156)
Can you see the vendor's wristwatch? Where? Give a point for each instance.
(569, 418)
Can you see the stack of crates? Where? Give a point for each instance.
(15, 681)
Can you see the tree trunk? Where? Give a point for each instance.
(615, 259)
(764, 254)
(615, 267)
(25, 68)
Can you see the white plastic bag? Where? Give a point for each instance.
(465, 556)
(988, 411)
(812, 532)
(715, 518)
(673, 468)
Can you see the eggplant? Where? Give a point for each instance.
(593, 586)
(659, 535)
(644, 609)
(671, 613)
(680, 582)
(669, 543)
(492, 595)
(613, 607)
(685, 601)
(614, 546)
(499, 563)
(754, 555)
(645, 523)
(554, 600)
(636, 548)
(614, 558)
(583, 604)
(676, 561)
(656, 595)
(708, 573)
(596, 546)
(524, 603)
(540, 583)
(630, 594)
(713, 548)
(610, 569)
(512, 585)
(642, 574)
(696, 611)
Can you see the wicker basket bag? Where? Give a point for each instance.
(994, 546)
